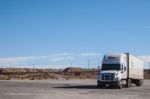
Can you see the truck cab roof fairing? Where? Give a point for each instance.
(111, 58)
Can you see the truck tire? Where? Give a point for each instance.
(99, 86)
(120, 85)
(139, 82)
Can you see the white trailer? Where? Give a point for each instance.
(120, 70)
(135, 68)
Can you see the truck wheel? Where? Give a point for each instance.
(139, 83)
(99, 86)
(120, 85)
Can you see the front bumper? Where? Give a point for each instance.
(110, 83)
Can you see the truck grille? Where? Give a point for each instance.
(108, 76)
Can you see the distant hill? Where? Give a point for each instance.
(67, 73)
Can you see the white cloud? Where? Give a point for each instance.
(61, 57)
(27, 61)
(145, 58)
(54, 59)
(90, 54)
(63, 54)
(13, 61)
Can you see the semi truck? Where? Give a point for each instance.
(120, 70)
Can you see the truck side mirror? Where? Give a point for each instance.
(99, 67)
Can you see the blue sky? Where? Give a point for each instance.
(56, 33)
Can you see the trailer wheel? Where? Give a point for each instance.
(139, 82)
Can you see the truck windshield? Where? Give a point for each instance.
(110, 67)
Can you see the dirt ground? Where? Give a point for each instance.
(68, 89)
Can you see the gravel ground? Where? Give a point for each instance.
(68, 89)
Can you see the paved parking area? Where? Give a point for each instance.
(68, 89)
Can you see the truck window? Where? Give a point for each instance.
(110, 67)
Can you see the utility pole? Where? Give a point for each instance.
(33, 72)
(33, 68)
(149, 67)
(88, 63)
